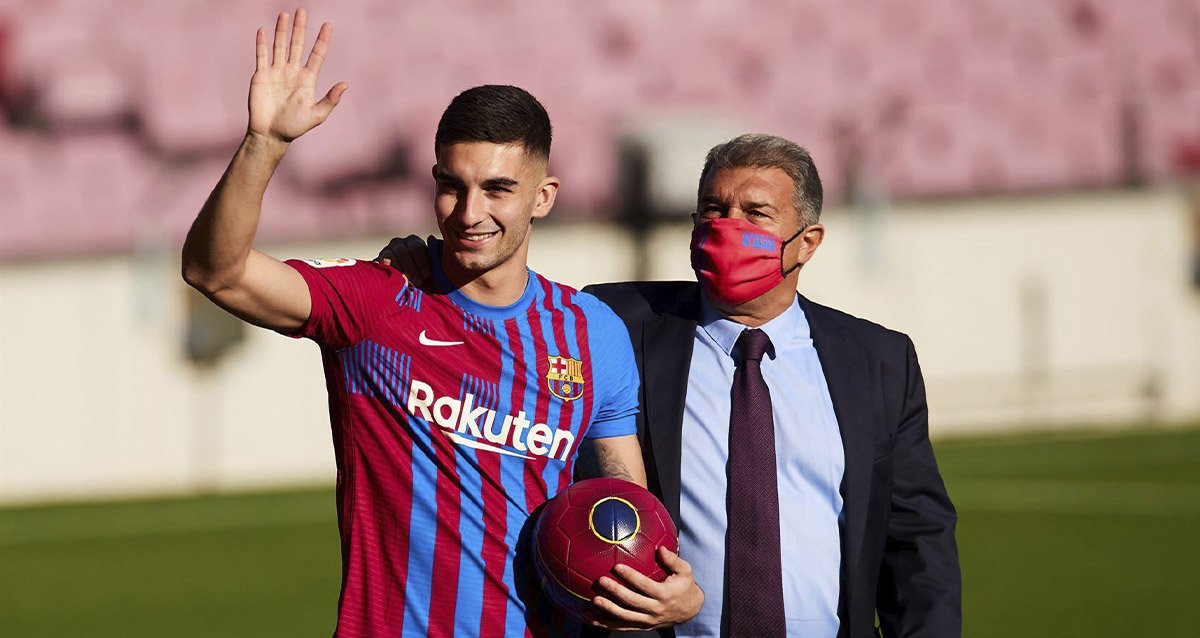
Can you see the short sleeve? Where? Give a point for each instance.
(614, 371)
(348, 298)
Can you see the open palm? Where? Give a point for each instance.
(283, 102)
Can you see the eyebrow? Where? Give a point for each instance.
(492, 182)
(443, 176)
(499, 182)
(754, 205)
(713, 199)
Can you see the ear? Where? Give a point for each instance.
(808, 242)
(543, 201)
(433, 171)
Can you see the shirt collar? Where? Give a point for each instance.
(789, 326)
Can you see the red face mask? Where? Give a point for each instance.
(737, 261)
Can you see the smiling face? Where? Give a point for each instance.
(487, 198)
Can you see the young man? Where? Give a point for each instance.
(457, 407)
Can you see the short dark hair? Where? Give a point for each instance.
(756, 150)
(495, 113)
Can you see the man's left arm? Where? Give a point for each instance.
(920, 587)
(631, 600)
(613, 457)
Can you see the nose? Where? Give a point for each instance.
(471, 207)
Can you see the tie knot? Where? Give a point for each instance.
(752, 344)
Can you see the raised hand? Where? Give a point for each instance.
(283, 103)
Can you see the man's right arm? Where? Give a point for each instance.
(218, 255)
(218, 258)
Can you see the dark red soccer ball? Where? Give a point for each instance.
(588, 529)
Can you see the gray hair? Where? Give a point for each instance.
(756, 150)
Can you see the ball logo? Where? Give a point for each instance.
(614, 520)
(564, 377)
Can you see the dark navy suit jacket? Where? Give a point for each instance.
(899, 557)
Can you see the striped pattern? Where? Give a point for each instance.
(431, 515)
(374, 370)
(410, 297)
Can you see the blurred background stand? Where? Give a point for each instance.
(658, 176)
(211, 335)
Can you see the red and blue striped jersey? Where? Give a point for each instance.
(452, 421)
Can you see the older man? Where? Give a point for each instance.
(789, 440)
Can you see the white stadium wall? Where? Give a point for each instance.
(1057, 311)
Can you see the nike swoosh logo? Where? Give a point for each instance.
(426, 341)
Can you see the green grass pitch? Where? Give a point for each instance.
(1060, 535)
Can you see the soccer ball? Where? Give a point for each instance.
(588, 529)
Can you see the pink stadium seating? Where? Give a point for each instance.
(137, 105)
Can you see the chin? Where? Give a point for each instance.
(472, 263)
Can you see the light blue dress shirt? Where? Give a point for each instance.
(809, 463)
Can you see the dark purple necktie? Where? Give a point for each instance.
(753, 570)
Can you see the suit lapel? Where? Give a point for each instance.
(851, 388)
(667, 342)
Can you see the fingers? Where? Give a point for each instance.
(621, 618)
(298, 27)
(323, 108)
(317, 56)
(293, 47)
(280, 44)
(623, 595)
(637, 580)
(410, 256)
(388, 254)
(674, 563)
(391, 251)
(413, 256)
(260, 50)
(640, 602)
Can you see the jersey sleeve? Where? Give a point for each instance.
(348, 298)
(614, 371)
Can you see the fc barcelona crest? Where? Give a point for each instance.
(564, 378)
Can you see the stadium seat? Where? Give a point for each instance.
(942, 97)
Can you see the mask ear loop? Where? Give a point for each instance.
(783, 246)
